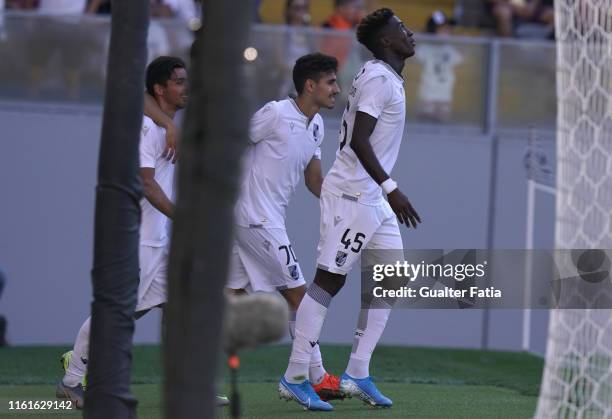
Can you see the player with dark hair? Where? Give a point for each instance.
(354, 213)
(314, 67)
(160, 70)
(285, 141)
(166, 81)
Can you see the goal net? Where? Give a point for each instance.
(577, 381)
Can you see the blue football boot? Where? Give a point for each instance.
(365, 389)
(304, 394)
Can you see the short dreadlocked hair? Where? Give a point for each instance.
(370, 26)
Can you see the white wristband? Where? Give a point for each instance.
(388, 186)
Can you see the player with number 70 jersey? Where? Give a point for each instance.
(285, 138)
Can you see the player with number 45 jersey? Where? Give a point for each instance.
(354, 213)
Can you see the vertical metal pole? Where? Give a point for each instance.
(490, 130)
(528, 266)
(531, 190)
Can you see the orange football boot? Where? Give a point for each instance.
(329, 388)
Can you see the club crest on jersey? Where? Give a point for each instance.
(341, 258)
(294, 272)
(291, 125)
(266, 244)
(315, 132)
(145, 130)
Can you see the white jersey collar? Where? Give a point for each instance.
(297, 109)
(301, 114)
(389, 69)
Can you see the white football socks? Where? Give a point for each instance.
(370, 327)
(77, 368)
(309, 321)
(316, 371)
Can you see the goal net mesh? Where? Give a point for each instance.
(577, 381)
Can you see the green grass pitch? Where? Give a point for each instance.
(423, 383)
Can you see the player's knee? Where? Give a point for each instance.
(330, 282)
(85, 327)
(294, 296)
(240, 291)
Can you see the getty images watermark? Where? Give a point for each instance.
(536, 279)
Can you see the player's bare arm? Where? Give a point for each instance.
(313, 177)
(360, 144)
(154, 193)
(153, 111)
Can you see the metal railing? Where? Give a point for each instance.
(457, 84)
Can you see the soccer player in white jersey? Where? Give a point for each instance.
(354, 213)
(166, 81)
(285, 142)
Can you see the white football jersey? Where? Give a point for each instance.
(378, 91)
(154, 226)
(283, 143)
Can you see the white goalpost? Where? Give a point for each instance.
(540, 179)
(577, 380)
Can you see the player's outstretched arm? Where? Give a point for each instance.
(313, 177)
(154, 193)
(153, 111)
(360, 144)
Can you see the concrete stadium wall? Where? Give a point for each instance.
(47, 176)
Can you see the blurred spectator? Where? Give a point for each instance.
(347, 14)
(186, 10)
(60, 33)
(297, 12)
(438, 61)
(3, 323)
(161, 40)
(295, 42)
(510, 13)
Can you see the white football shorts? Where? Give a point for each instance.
(263, 260)
(152, 289)
(348, 227)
